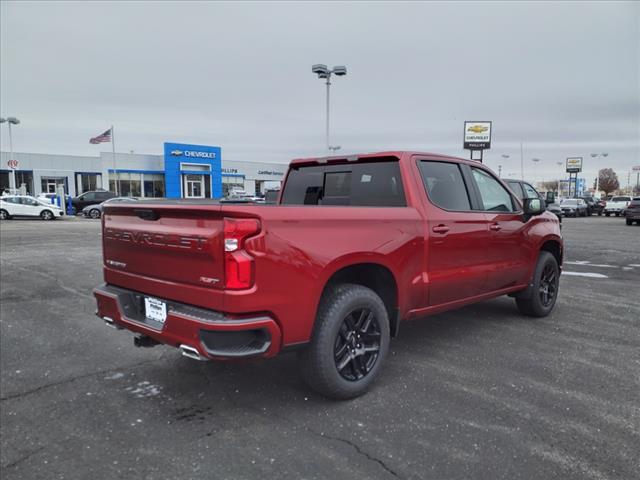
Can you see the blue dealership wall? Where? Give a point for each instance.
(177, 153)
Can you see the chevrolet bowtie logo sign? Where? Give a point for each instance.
(477, 129)
(176, 153)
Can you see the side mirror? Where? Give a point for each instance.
(551, 197)
(534, 206)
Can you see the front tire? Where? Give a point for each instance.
(629, 222)
(4, 215)
(47, 215)
(607, 214)
(94, 213)
(349, 343)
(546, 282)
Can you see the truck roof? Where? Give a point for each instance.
(355, 157)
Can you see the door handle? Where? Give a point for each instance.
(440, 229)
(495, 227)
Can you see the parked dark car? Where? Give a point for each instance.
(90, 198)
(632, 213)
(593, 205)
(524, 190)
(95, 211)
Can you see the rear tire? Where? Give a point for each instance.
(546, 283)
(630, 222)
(349, 343)
(46, 215)
(607, 214)
(617, 214)
(4, 215)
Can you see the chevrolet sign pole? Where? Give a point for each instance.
(477, 137)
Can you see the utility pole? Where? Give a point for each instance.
(324, 72)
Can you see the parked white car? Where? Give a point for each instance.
(27, 206)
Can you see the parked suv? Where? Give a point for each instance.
(355, 246)
(90, 198)
(593, 205)
(524, 190)
(632, 213)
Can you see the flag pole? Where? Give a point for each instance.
(113, 149)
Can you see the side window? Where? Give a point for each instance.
(445, 185)
(495, 197)
(102, 195)
(530, 191)
(517, 189)
(89, 196)
(13, 200)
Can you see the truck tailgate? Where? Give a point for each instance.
(180, 244)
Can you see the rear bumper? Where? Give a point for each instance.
(213, 335)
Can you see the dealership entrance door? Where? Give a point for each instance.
(194, 186)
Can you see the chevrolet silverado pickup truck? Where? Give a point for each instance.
(355, 246)
(617, 206)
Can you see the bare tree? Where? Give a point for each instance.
(608, 180)
(551, 186)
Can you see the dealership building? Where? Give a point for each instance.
(184, 171)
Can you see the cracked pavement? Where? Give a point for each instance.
(475, 393)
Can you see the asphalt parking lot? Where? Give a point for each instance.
(478, 393)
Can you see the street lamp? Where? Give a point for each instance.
(11, 121)
(598, 155)
(560, 177)
(323, 72)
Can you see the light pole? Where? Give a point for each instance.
(505, 156)
(560, 177)
(323, 72)
(11, 121)
(536, 160)
(598, 155)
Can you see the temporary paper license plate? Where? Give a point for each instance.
(155, 309)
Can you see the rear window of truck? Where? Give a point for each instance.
(373, 184)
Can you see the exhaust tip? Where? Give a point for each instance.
(190, 352)
(109, 322)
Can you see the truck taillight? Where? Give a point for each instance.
(238, 264)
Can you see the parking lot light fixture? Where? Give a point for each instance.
(323, 71)
(11, 121)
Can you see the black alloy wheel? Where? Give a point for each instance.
(548, 285)
(357, 344)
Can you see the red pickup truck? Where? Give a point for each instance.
(354, 246)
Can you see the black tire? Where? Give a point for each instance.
(4, 215)
(546, 283)
(607, 214)
(599, 214)
(94, 213)
(617, 214)
(47, 215)
(629, 222)
(349, 343)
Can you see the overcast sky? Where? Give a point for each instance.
(563, 78)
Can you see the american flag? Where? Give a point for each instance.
(103, 137)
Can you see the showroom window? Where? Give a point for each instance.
(129, 184)
(232, 182)
(87, 182)
(153, 184)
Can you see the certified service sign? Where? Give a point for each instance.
(477, 135)
(574, 165)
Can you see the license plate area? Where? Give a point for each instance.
(155, 312)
